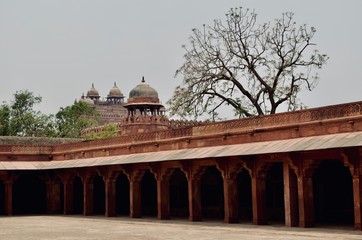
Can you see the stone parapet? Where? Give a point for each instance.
(309, 122)
(239, 125)
(281, 119)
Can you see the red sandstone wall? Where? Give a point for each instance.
(312, 122)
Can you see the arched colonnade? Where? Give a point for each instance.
(292, 190)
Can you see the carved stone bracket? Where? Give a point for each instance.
(66, 176)
(88, 175)
(110, 173)
(257, 167)
(136, 175)
(48, 178)
(161, 173)
(302, 167)
(8, 176)
(193, 172)
(229, 170)
(351, 159)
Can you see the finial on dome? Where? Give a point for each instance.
(115, 84)
(92, 85)
(143, 79)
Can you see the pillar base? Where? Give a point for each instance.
(231, 220)
(111, 215)
(163, 217)
(358, 226)
(135, 215)
(260, 222)
(305, 224)
(195, 219)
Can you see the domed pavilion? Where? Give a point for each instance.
(145, 112)
(144, 99)
(115, 95)
(93, 94)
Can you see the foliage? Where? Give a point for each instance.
(108, 130)
(5, 120)
(20, 119)
(253, 68)
(71, 120)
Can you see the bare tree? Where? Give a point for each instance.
(254, 68)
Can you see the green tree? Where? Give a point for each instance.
(108, 130)
(71, 120)
(5, 120)
(20, 119)
(254, 68)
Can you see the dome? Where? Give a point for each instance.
(87, 101)
(143, 90)
(92, 92)
(115, 92)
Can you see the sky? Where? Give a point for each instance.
(58, 48)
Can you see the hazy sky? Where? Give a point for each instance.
(58, 48)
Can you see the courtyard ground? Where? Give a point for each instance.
(80, 227)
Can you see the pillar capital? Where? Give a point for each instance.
(193, 172)
(136, 175)
(88, 175)
(229, 170)
(261, 169)
(161, 173)
(352, 159)
(302, 167)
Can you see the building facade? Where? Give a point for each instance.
(299, 168)
(111, 108)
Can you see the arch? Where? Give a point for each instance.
(29, 195)
(122, 194)
(78, 203)
(333, 194)
(99, 195)
(148, 194)
(274, 187)
(212, 193)
(179, 205)
(244, 195)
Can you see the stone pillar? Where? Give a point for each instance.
(193, 175)
(290, 196)
(135, 198)
(229, 171)
(231, 200)
(88, 196)
(305, 201)
(163, 199)
(53, 196)
(135, 205)
(68, 197)
(8, 197)
(352, 158)
(258, 198)
(110, 185)
(194, 190)
(162, 176)
(357, 199)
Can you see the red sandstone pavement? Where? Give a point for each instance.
(79, 227)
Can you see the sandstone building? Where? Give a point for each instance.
(301, 168)
(110, 109)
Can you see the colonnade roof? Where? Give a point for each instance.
(332, 141)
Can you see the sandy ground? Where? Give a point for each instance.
(79, 227)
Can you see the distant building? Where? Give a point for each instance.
(111, 109)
